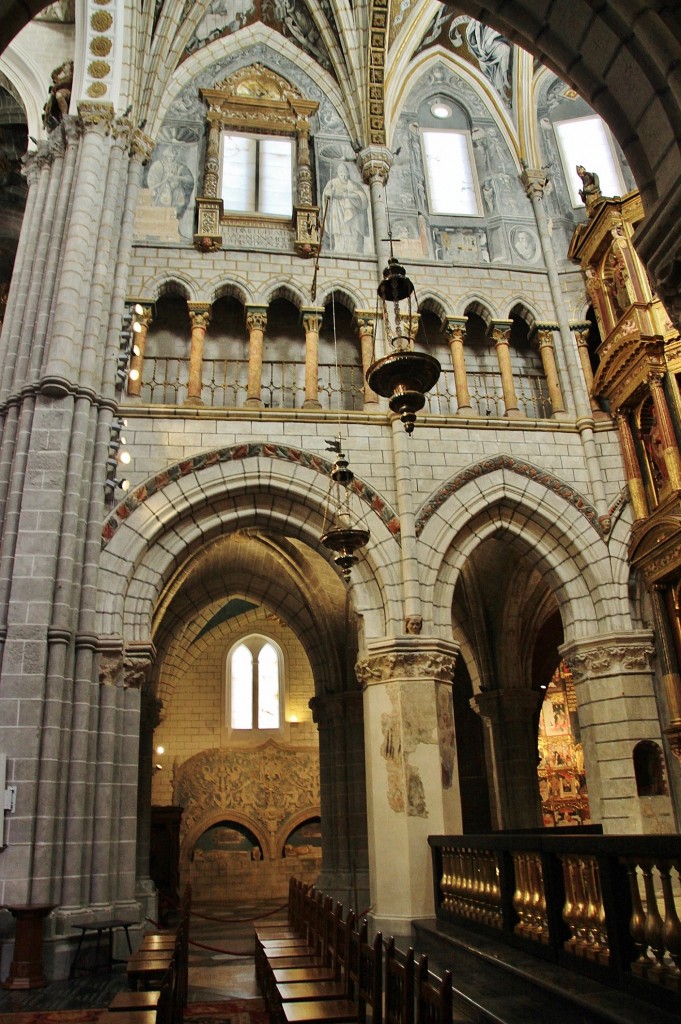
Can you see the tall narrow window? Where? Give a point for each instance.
(254, 684)
(452, 189)
(257, 174)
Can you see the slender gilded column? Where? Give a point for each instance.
(544, 336)
(581, 333)
(312, 322)
(365, 323)
(199, 314)
(632, 467)
(455, 329)
(139, 341)
(670, 449)
(501, 333)
(256, 322)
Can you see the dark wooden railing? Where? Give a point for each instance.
(605, 906)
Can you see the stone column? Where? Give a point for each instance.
(412, 774)
(511, 717)
(345, 870)
(544, 336)
(501, 333)
(256, 322)
(535, 182)
(63, 358)
(632, 467)
(455, 329)
(616, 709)
(312, 322)
(670, 449)
(581, 333)
(668, 665)
(375, 163)
(150, 716)
(365, 322)
(139, 341)
(199, 314)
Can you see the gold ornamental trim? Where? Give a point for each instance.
(101, 21)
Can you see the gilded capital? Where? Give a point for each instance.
(365, 322)
(454, 328)
(312, 319)
(141, 146)
(501, 331)
(96, 116)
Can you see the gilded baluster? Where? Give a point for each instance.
(457, 883)
(537, 900)
(580, 908)
(671, 929)
(637, 921)
(468, 883)
(597, 919)
(496, 892)
(522, 907)
(477, 904)
(445, 878)
(518, 892)
(569, 912)
(652, 928)
(590, 909)
(488, 868)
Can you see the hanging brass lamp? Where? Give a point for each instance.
(403, 376)
(341, 533)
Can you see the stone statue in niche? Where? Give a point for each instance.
(489, 196)
(344, 208)
(57, 106)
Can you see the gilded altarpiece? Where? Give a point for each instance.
(267, 792)
(638, 379)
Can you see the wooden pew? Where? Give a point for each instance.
(433, 997)
(399, 986)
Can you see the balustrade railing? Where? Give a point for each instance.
(608, 906)
(225, 385)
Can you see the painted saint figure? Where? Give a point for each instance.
(493, 54)
(345, 203)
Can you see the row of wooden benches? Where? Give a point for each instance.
(321, 968)
(157, 978)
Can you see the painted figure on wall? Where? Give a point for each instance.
(493, 54)
(345, 204)
(171, 183)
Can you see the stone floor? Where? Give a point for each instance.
(220, 966)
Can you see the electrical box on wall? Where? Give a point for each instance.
(8, 796)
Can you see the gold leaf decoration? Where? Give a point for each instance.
(101, 21)
(98, 69)
(100, 46)
(96, 89)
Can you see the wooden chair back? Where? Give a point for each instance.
(370, 992)
(433, 997)
(399, 986)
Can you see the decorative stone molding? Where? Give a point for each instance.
(519, 466)
(237, 453)
(96, 117)
(609, 655)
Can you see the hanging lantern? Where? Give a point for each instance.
(403, 376)
(341, 533)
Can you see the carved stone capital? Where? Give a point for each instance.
(141, 146)
(612, 654)
(375, 163)
(454, 328)
(534, 181)
(138, 660)
(408, 658)
(199, 314)
(365, 322)
(43, 155)
(312, 319)
(110, 667)
(543, 333)
(96, 116)
(121, 131)
(332, 708)
(501, 331)
(256, 318)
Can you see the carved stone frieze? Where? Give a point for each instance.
(405, 665)
(269, 784)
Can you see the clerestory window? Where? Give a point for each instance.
(255, 684)
(451, 183)
(257, 174)
(587, 141)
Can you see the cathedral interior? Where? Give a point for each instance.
(340, 496)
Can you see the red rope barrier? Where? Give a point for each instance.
(227, 952)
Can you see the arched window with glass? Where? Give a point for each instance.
(255, 685)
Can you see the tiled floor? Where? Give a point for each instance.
(220, 966)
